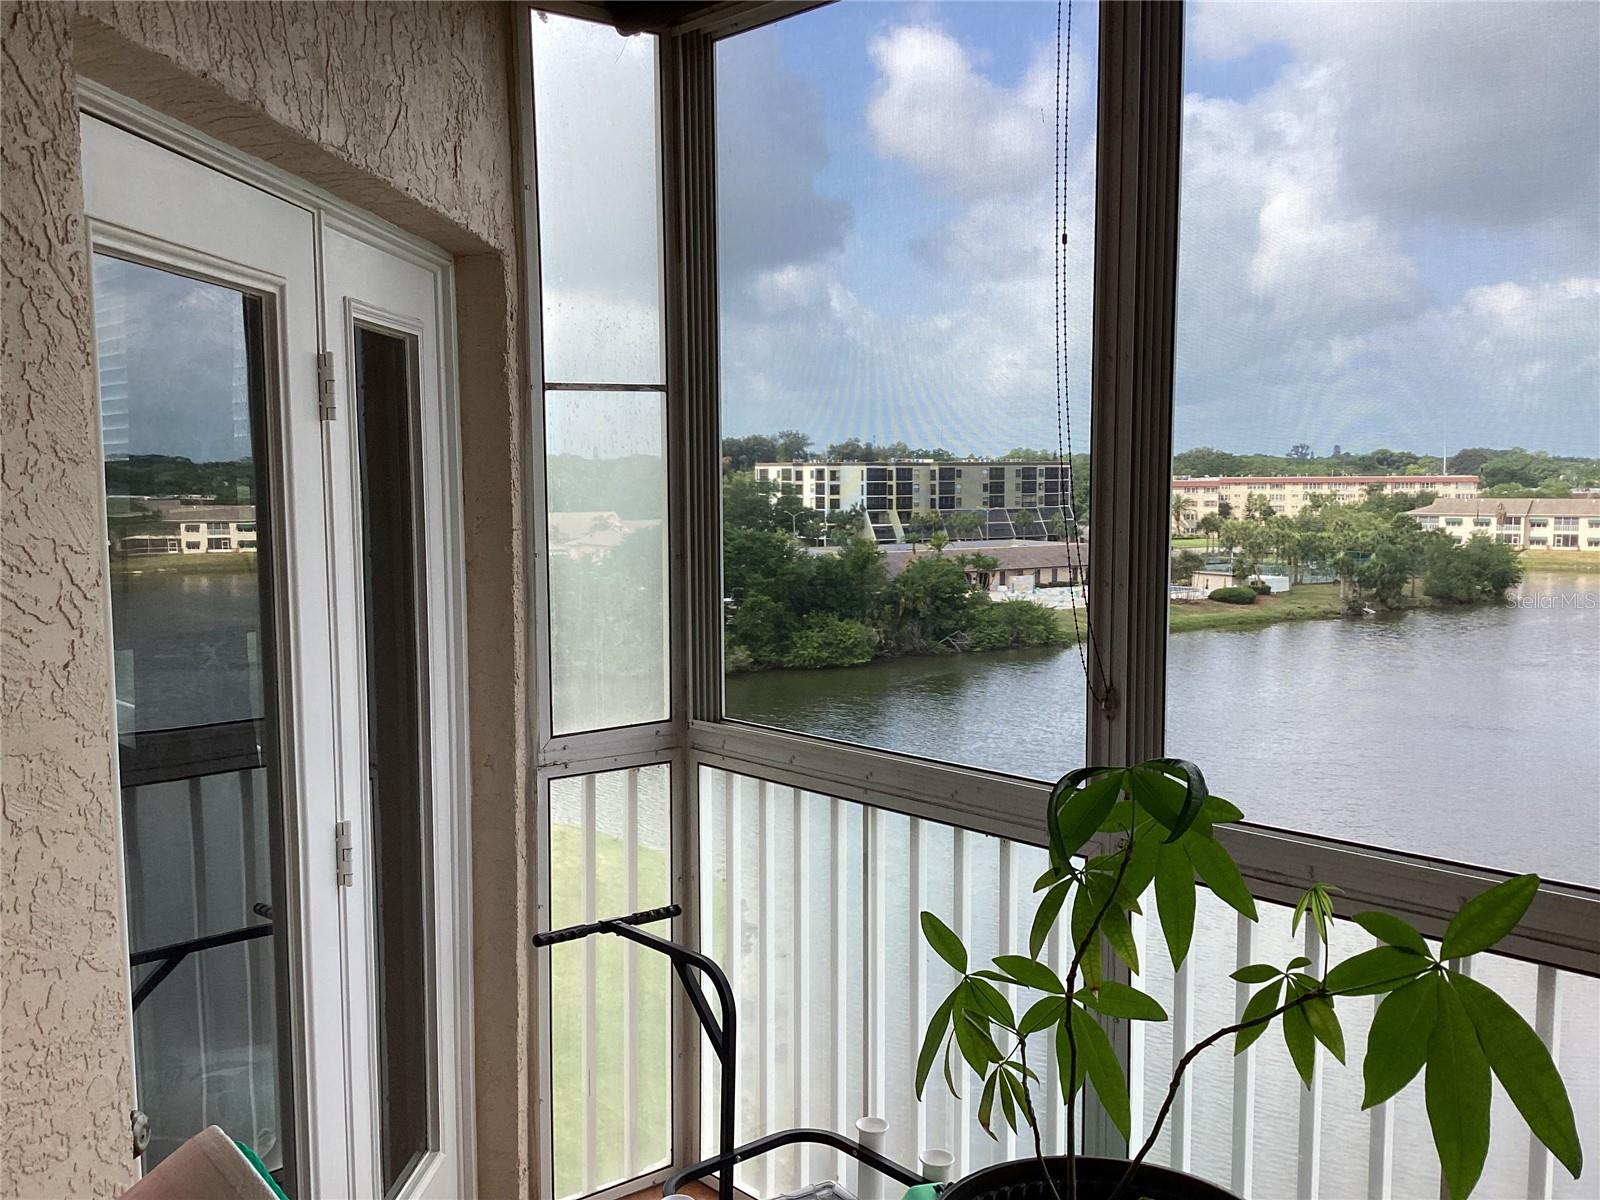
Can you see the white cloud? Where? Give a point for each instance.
(961, 132)
(1387, 237)
(1338, 224)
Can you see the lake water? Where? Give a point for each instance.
(1469, 734)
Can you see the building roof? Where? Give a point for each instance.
(1195, 481)
(916, 462)
(205, 512)
(1525, 506)
(1010, 556)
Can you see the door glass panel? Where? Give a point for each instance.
(606, 481)
(396, 748)
(182, 386)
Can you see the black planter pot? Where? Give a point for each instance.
(1022, 1180)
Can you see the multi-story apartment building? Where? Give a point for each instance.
(193, 529)
(1538, 524)
(1008, 499)
(1288, 494)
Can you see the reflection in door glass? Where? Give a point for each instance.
(396, 747)
(182, 391)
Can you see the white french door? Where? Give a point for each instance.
(282, 532)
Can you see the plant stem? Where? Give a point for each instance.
(1072, 1041)
(1183, 1065)
(1033, 1120)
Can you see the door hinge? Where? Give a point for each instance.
(327, 405)
(344, 855)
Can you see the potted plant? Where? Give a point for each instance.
(1158, 819)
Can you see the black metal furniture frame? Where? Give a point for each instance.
(724, 1038)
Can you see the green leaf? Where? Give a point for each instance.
(1381, 969)
(1296, 963)
(1488, 917)
(1116, 999)
(1215, 865)
(1042, 1015)
(1007, 1104)
(933, 1039)
(1104, 1070)
(1522, 1063)
(977, 1047)
(1077, 807)
(1155, 795)
(1045, 918)
(1298, 1037)
(1084, 908)
(1325, 1025)
(1092, 966)
(1457, 1087)
(1217, 811)
(1029, 973)
(1175, 901)
(1256, 973)
(1397, 1042)
(986, 1104)
(1019, 1092)
(944, 941)
(1262, 1003)
(1141, 866)
(1299, 911)
(1392, 931)
(1195, 793)
(1119, 935)
(988, 998)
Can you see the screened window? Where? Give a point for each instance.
(599, 224)
(890, 310)
(1384, 234)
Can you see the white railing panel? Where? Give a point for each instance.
(830, 907)
(610, 1062)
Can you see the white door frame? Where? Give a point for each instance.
(338, 1169)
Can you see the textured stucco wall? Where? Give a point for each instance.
(66, 1082)
(406, 110)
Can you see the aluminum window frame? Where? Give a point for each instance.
(1135, 277)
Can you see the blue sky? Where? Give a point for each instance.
(1389, 235)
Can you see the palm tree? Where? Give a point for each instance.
(1182, 511)
(1210, 525)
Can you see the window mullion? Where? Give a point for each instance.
(694, 499)
(1135, 284)
(1136, 244)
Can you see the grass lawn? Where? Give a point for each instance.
(568, 1002)
(1190, 543)
(1304, 602)
(1561, 560)
(242, 562)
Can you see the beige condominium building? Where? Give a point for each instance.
(174, 527)
(997, 499)
(1537, 524)
(1288, 494)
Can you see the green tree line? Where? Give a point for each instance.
(788, 607)
(1516, 471)
(1376, 551)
